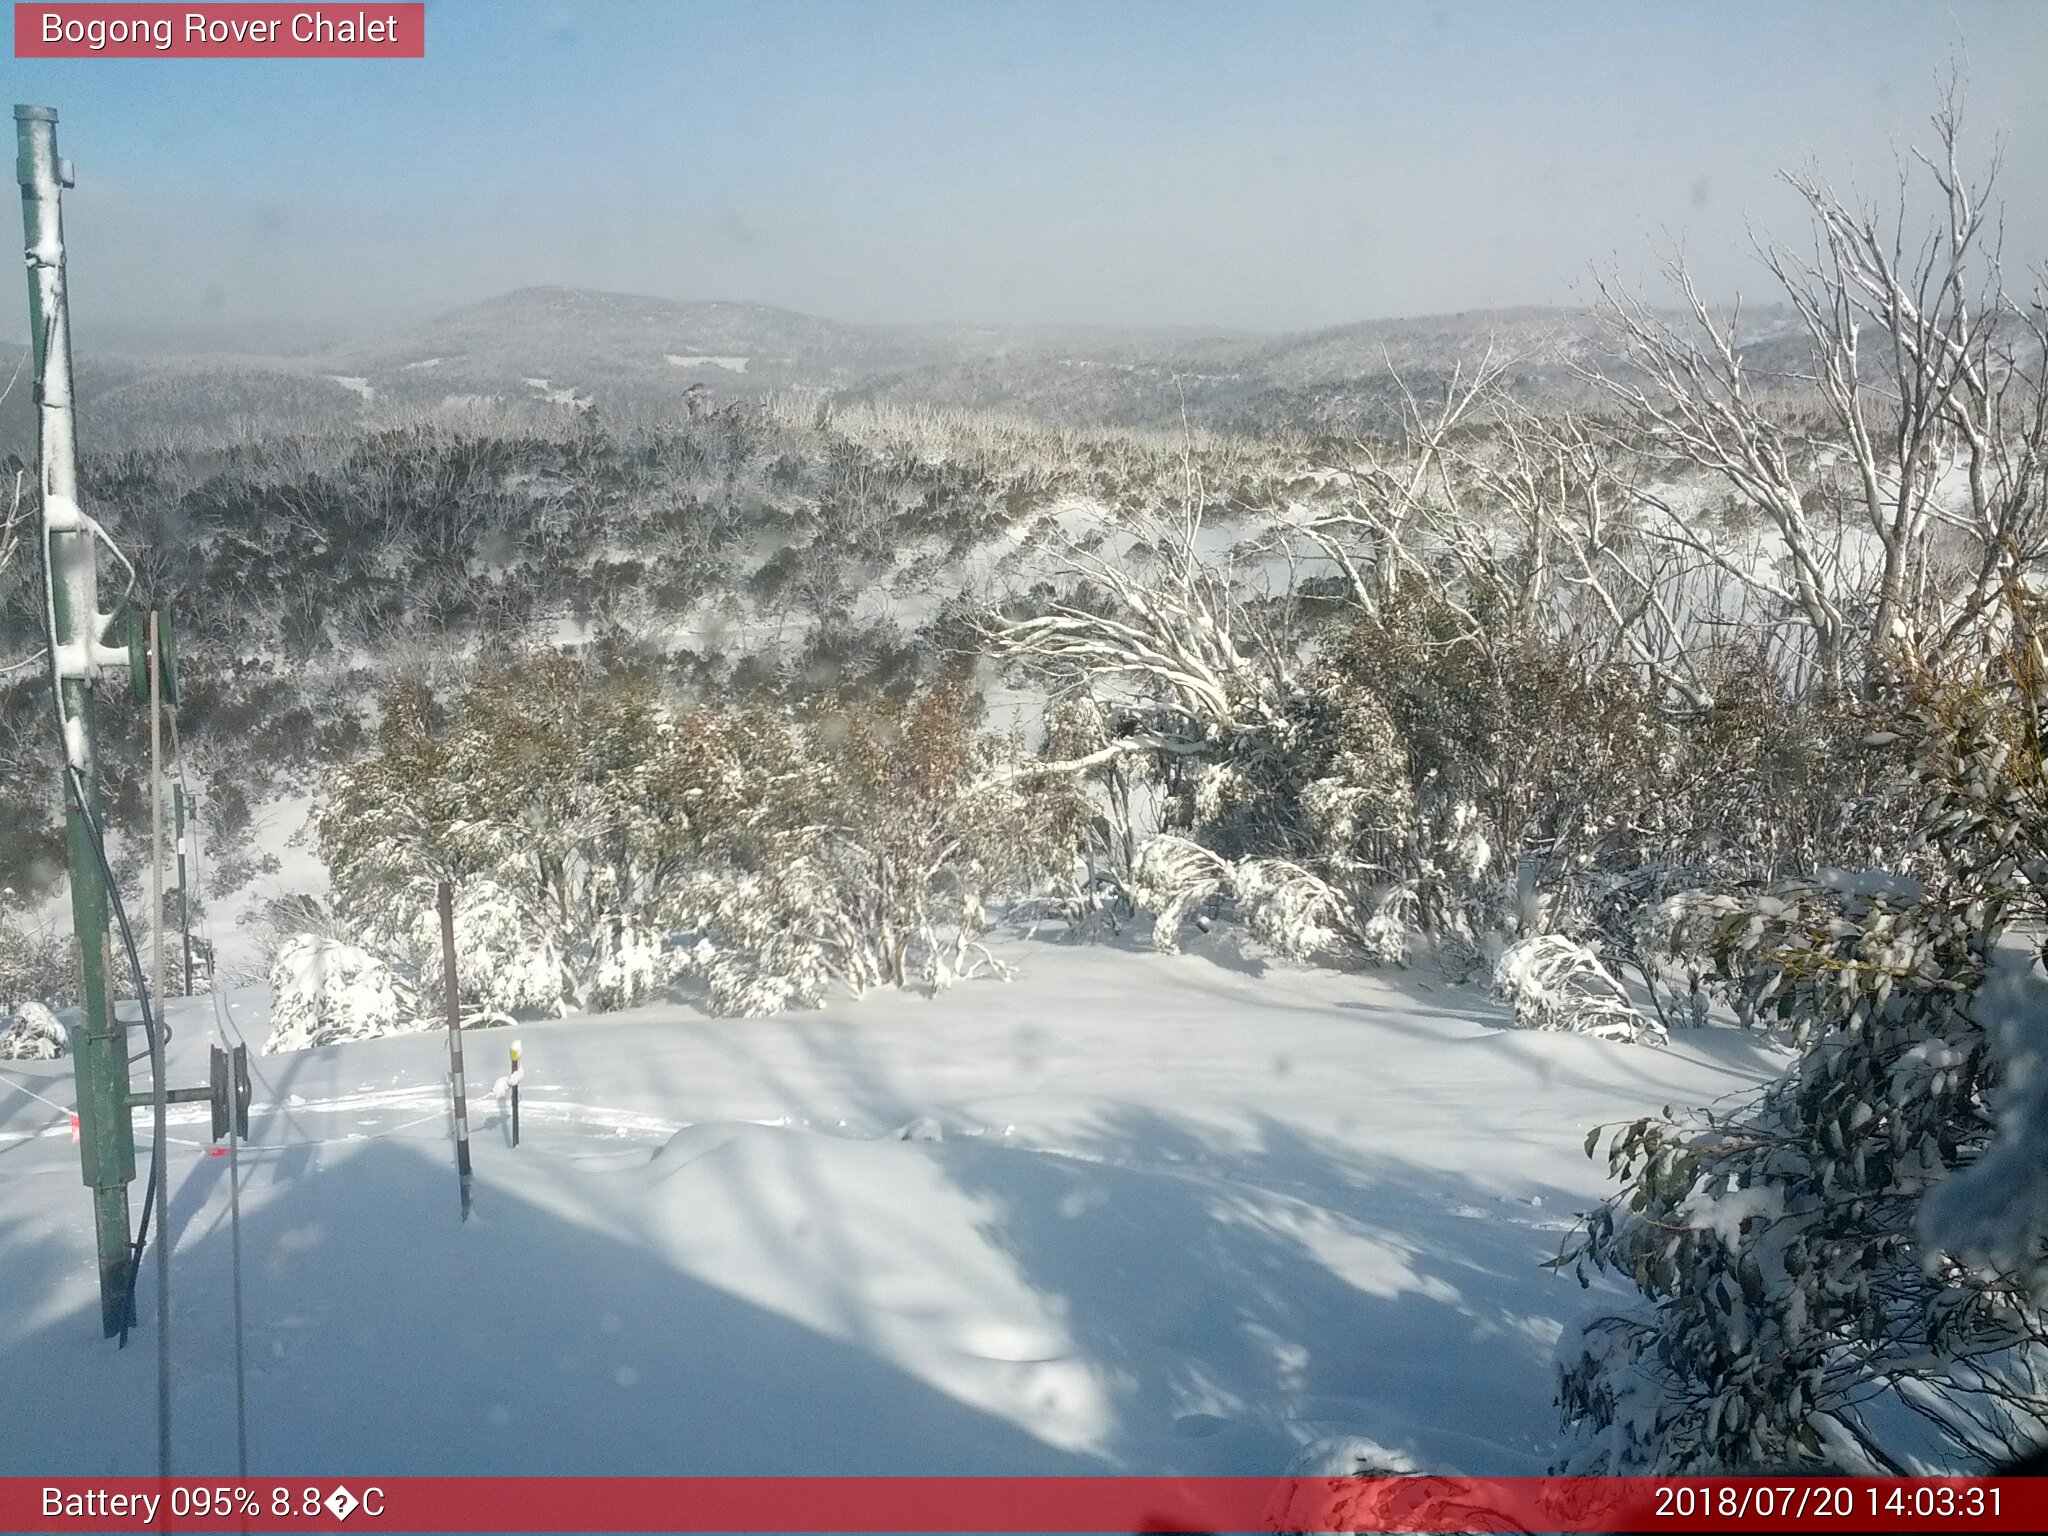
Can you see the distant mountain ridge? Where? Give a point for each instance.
(576, 348)
(582, 334)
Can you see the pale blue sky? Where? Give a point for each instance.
(1261, 163)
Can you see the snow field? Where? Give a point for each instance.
(1128, 1213)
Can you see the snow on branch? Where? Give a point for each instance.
(1554, 983)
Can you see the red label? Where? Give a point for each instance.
(1006, 1504)
(319, 31)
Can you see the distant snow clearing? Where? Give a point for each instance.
(694, 360)
(568, 396)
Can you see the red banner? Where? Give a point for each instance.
(1136, 1504)
(318, 31)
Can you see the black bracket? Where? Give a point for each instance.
(231, 1092)
(227, 1091)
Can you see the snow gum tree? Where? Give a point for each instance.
(1896, 455)
(880, 832)
(566, 807)
(603, 843)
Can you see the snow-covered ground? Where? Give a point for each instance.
(1128, 1212)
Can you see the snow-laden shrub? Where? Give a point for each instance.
(1993, 1215)
(1458, 956)
(1552, 982)
(1170, 878)
(565, 804)
(1291, 910)
(1787, 1305)
(1384, 936)
(35, 959)
(757, 965)
(585, 825)
(323, 991)
(632, 961)
(32, 1035)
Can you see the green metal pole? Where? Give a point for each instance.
(106, 1136)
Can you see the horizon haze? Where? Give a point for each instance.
(1215, 165)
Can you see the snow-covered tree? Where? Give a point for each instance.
(1518, 682)
(1909, 403)
(565, 805)
(323, 991)
(31, 1033)
(505, 963)
(879, 834)
(1164, 664)
(1172, 878)
(35, 960)
(1288, 908)
(602, 844)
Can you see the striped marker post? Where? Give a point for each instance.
(452, 989)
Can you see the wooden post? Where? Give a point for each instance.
(512, 1081)
(453, 990)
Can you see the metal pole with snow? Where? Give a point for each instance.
(446, 901)
(78, 652)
